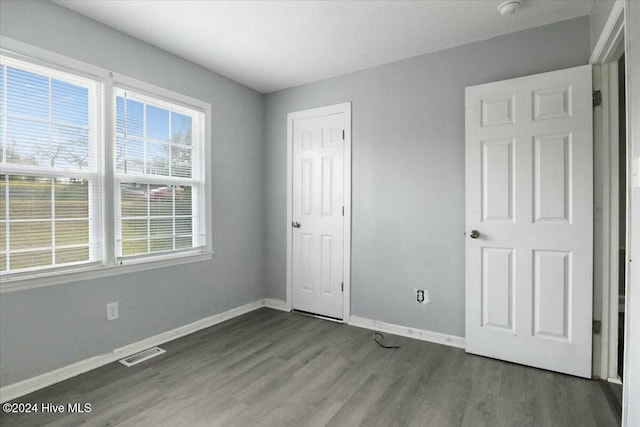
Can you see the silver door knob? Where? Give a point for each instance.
(295, 224)
(474, 234)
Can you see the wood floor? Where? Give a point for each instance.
(270, 368)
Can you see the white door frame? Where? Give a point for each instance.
(605, 55)
(344, 108)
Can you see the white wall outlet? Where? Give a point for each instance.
(422, 296)
(112, 311)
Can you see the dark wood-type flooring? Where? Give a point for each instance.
(271, 368)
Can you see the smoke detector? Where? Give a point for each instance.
(509, 7)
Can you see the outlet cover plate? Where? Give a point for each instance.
(422, 296)
(112, 311)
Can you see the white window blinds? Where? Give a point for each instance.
(49, 180)
(160, 177)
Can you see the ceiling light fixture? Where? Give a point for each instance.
(509, 7)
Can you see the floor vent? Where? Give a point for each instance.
(134, 359)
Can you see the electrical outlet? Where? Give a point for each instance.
(422, 296)
(112, 311)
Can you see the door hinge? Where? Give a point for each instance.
(596, 326)
(343, 134)
(343, 211)
(597, 98)
(342, 287)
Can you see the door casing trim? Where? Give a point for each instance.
(609, 47)
(344, 108)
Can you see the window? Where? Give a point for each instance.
(159, 177)
(75, 194)
(49, 184)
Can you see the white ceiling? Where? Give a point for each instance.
(271, 45)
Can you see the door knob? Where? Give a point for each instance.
(474, 234)
(295, 224)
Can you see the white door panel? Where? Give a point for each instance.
(317, 247)
(529, 194)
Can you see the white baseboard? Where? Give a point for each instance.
(276, 304)
(13, 391)
(615, 380)
(30, 385)
(405, 331)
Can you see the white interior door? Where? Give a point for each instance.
(529, 215)
(318, 214)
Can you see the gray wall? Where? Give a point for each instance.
(408, 169)
(45, 329)
(599, 15)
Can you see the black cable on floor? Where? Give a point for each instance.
(375, 338)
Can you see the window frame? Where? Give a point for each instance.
(93, 172)
(109, 264)
(167, 100)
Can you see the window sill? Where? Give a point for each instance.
(90, 273)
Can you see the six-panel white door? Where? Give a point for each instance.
(317, 213)
(529, 197)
